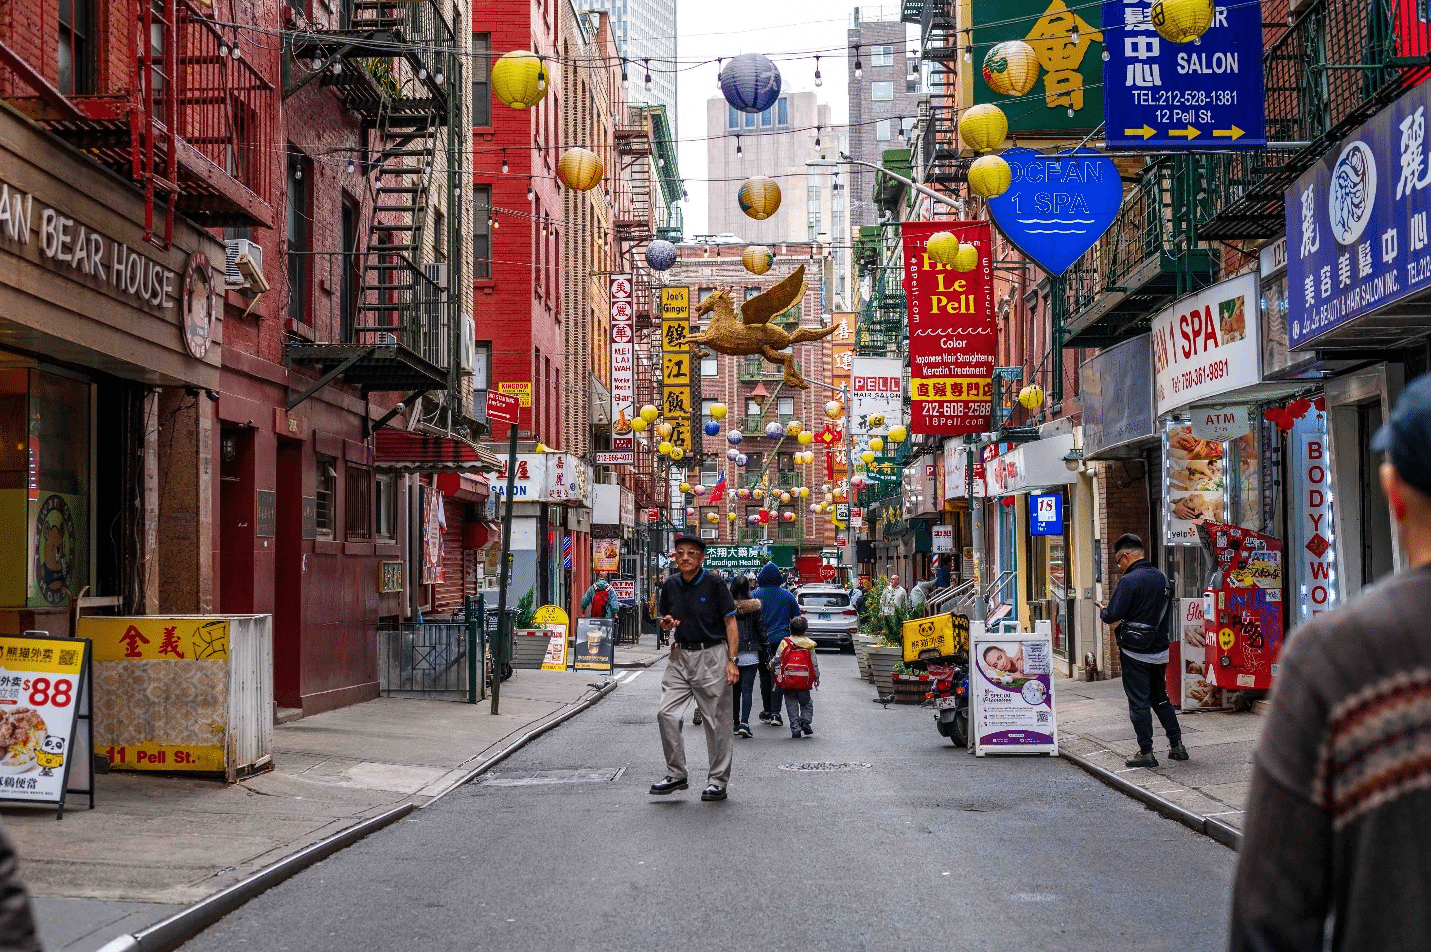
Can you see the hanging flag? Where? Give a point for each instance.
(829, 464)
(718, 490)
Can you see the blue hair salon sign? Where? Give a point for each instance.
(1057, 206)
(1357, 235)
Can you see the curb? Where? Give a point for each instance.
(179, 928)
(1228, 836)
(649, 662)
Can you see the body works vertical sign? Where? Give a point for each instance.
(952, 338)
(623, 367)
(676, 364)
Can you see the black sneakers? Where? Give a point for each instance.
(742, 730)
(696, 717)
(775, 721)
(1143, 760)
(1178, 752)
(713, 793)
(806, 729)
(668, 785)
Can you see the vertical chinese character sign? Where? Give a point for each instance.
(952, 337)
(623, 365)
(842, 354)
(1069, 93)
(676, 364)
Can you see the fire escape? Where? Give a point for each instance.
(393, 64)
(188, 121)
(937, 159)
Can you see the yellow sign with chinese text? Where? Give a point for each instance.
(157, 638)
(522, 391)
(936, 637)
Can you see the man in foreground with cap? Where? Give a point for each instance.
(1335, 841)
(697, 611)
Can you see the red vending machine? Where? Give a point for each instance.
(1243, 607)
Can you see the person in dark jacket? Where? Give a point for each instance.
(778, 607)
(17, 918)
(753, 650)
(1141, 599)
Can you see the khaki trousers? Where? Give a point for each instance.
(699, 674)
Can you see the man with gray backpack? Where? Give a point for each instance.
(1138, 611)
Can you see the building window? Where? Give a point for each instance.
(300, 179)
(882, 130)
(326, 496)
(732, 117)
(911, 85)
(358, 502)
(751, 119)
(751, 292)
(882, 92)
(481, 79)
(786, 407)
(385, 507)
(482, 232)
(767, 118)
(351, 278)
(710, 367)
(76, 60)
(706, 408)
(782, 111)
(881, 56)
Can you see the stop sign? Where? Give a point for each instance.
(827, 573)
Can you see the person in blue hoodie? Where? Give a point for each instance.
(777, 606)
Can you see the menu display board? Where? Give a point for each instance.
(1194, 483)
(41, 682)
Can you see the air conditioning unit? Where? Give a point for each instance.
(243, 261)
(469, 346)
(710, 533)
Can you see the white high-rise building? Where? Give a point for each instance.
(645, 31)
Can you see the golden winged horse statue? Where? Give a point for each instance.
(751, 332)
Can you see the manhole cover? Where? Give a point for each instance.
(821, 765)
(533, 778)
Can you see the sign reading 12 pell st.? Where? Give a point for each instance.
(1207, 94)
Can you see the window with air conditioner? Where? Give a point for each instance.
(326, 496)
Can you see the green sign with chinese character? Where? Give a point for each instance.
(1068, 97)
(734, 559)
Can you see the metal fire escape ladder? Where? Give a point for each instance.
(155, 156)
(939, 142)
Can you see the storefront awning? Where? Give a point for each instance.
(406, 452)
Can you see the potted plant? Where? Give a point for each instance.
(910, 684)
(889, 651)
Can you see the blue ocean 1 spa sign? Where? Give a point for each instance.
(1203, 95)
(1357, 236)
(1057, 205)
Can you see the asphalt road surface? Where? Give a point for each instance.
(910, 844)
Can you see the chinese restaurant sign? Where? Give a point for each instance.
(1203, 95)
(1057, 206)
(1357, 223)
(952, 337)
(40, 684)
(676, 364)
(1069, 50)
(623, 367)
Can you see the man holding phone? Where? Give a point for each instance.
(698, 613)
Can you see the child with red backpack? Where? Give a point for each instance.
(797, 673)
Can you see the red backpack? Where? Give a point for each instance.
(598, 602)
(796, 671)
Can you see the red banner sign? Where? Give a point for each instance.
(952, 337)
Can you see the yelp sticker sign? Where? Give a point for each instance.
(1206, 344)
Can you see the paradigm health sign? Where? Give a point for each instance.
(1165, 95)
(1357, 234)
(952, 337)
(1057, 206)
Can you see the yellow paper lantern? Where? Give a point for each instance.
(876, 419)
(785, 499)
(580, 169)
(1011, 68)
(868, 457)
(984, 127)
(712, 518)
(897, 434)
(793, 428)
(757, 259)
(1182, 21)
(990, 176)
(966, 258)
(834, 410)
(684, 487)
(1031, 397)
(649, 413)
(718, 411)
(639, 424)
(677, 452)
(663, 430)
(664, 448)
(758, 493)
(759, 197)
(519, 79)
(805, 438)
(876, 444)
(804, 492)
(730, 516)
(941, 248)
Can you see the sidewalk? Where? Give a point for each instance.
(1093, 724)
(157, 843)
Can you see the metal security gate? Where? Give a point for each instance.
(426, 658)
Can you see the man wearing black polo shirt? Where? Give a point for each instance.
(699, 615)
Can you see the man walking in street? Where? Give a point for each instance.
(1338, 823)
(1139, 611)
(699, 614)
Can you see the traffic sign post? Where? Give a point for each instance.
(504, 408)
(1199, 96)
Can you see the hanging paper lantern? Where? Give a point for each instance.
(690, 512)
(815, 507)
(741, 460)
(876, 444)
(732, 453)
(759, 197)
(834, 410)
(805, 438)
(858, 482)
(698, 490)
(750, 83)
(677, 453)
(868, 457)
(1011, 68)
(757, 259)
(897, 434)
(752, 519)
(718, 411)
(941, 247)
(876, 419)
(742, 493)
(712, 428)
(664, 448)
(966, 258)
(990, 176)
(734, 437)
(580, 169)
(639, 424)
(984, 127)
(730, 516)
(787, 517)
(684, 487)
(804, 492)
(1031, 397)
(661, 255)
(793, 428)
(785, 499)
(649, 413)
(519, 79)
(1182, 21)
(758, 493)
(712, 518)
(663, 430)
(773, 428)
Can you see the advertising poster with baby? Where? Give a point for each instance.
(1194, 483)
(40, 681)
(1011, 691)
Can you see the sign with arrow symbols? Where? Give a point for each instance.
(1200, 96)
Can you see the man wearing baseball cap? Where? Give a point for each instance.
(1334, 847)
(697, 611)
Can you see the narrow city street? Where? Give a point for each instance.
(873, 834)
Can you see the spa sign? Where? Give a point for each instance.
(1206, 344)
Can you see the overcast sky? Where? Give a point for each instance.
(780, 29)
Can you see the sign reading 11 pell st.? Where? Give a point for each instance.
(1206, 94)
